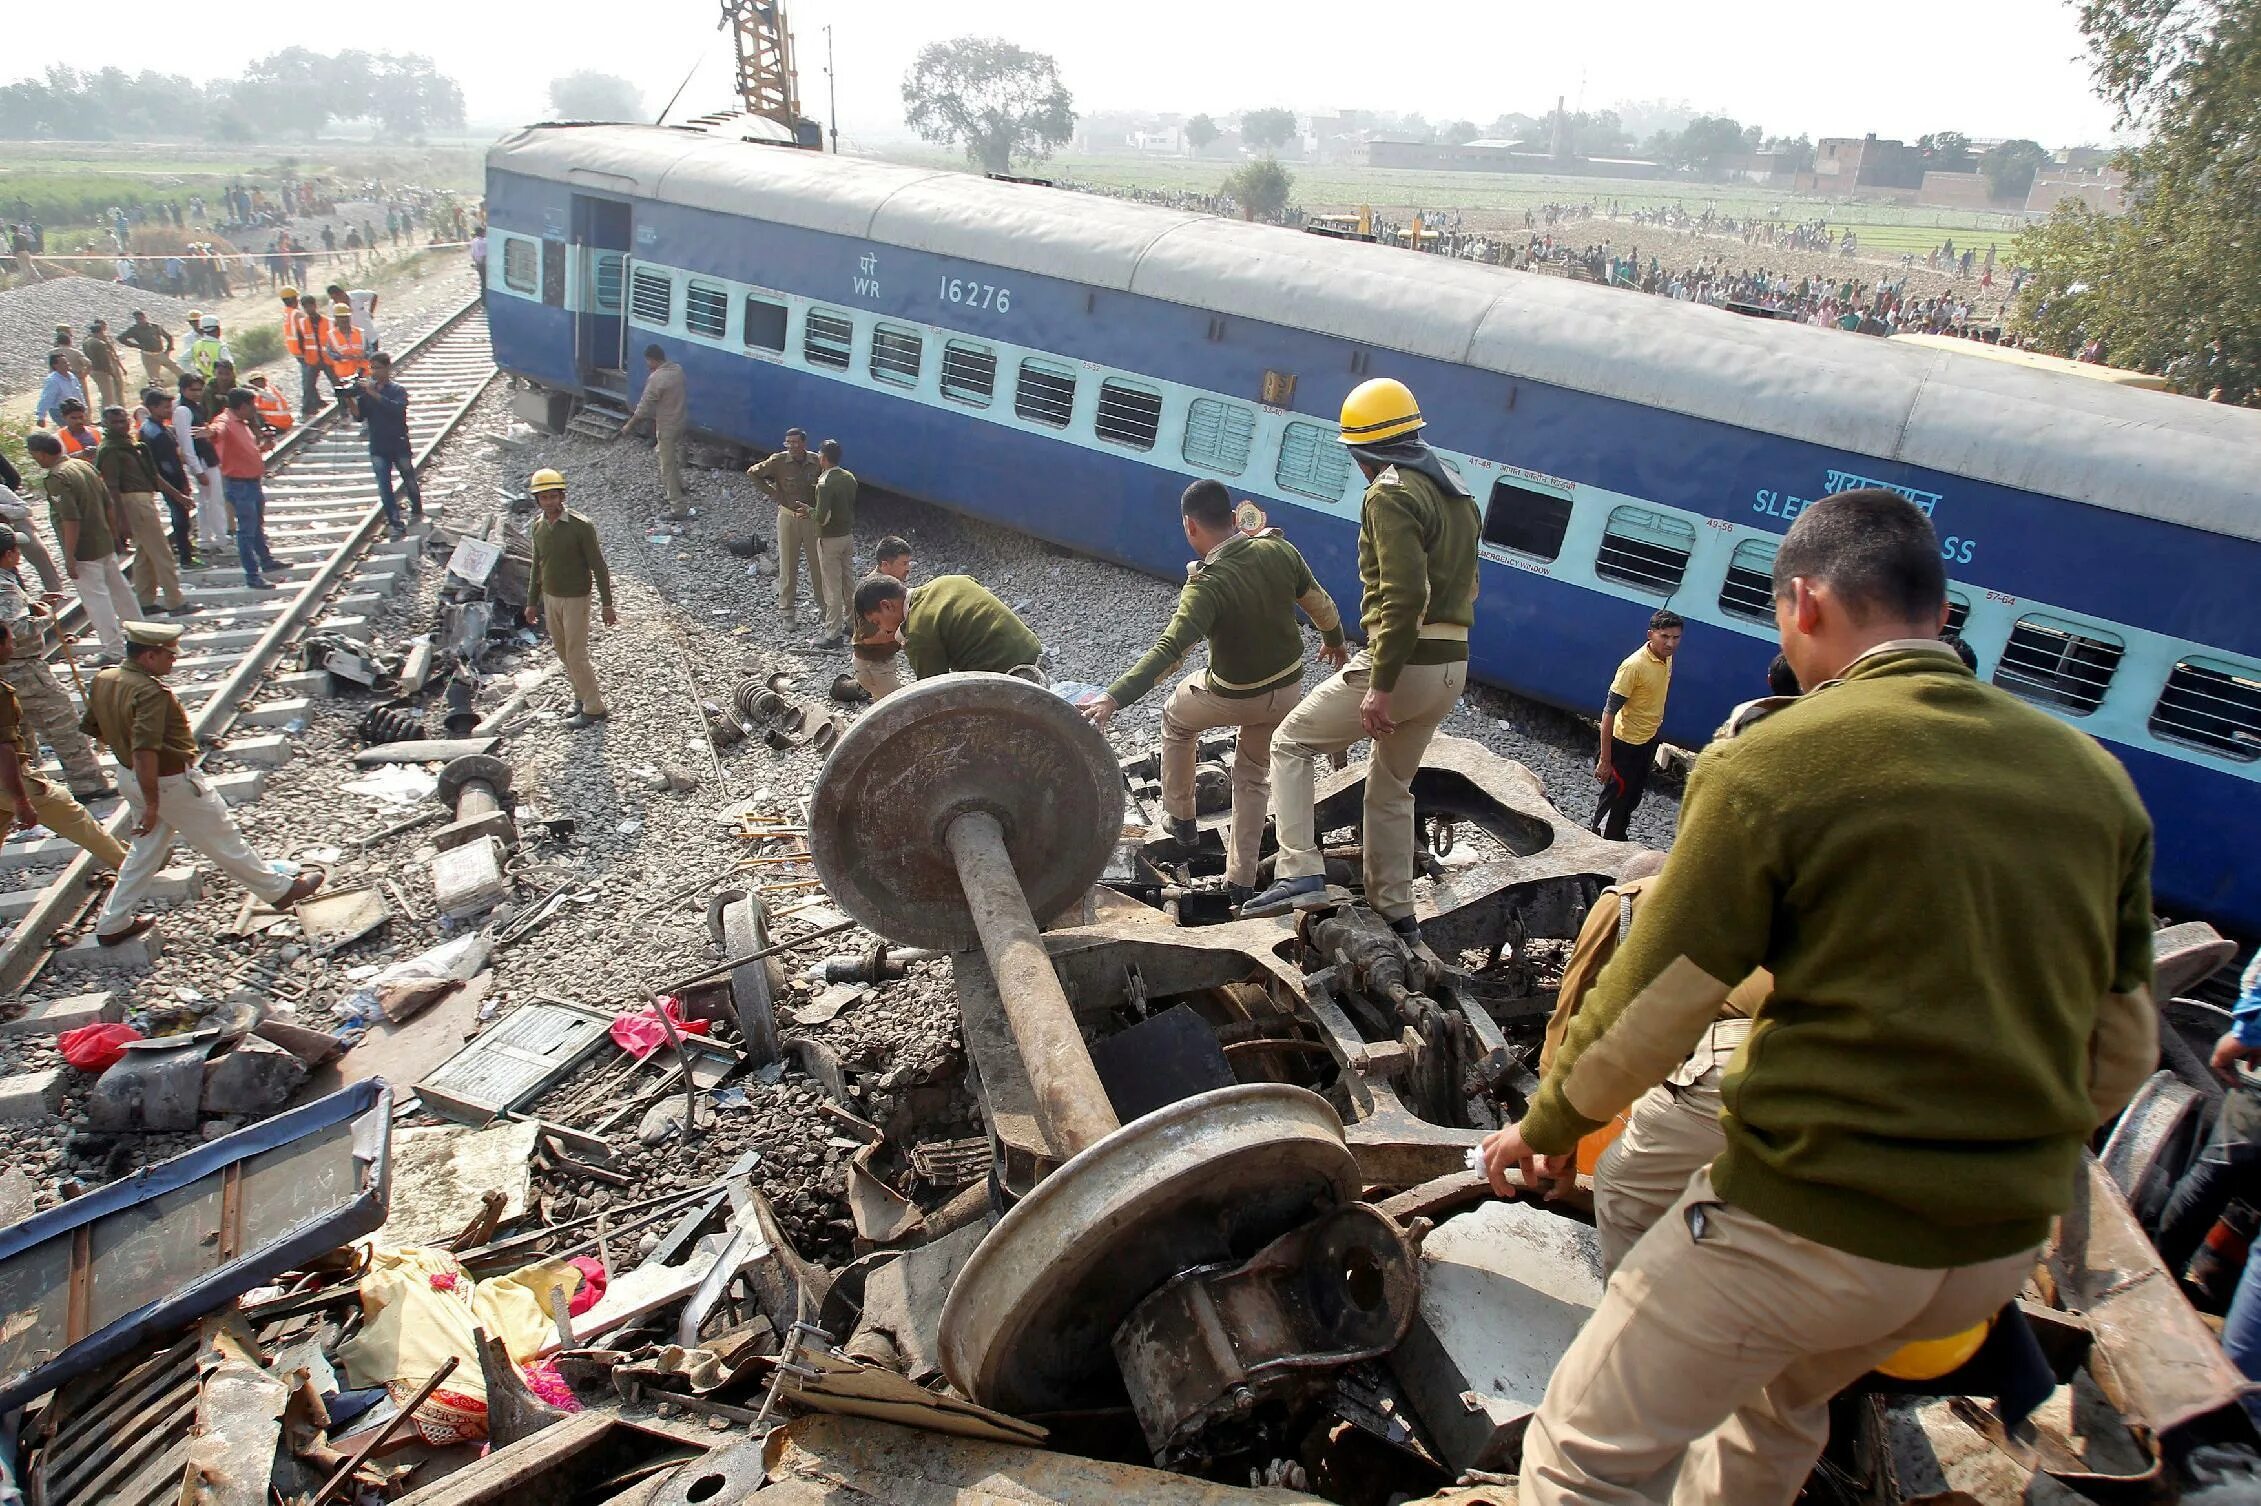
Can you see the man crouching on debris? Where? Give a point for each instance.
(952, 624)
(1240, 597)
(1953, 892)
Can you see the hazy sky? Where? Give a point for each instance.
(2010, 67)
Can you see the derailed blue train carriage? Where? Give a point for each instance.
(1064, 364)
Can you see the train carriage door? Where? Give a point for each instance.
(600, 230)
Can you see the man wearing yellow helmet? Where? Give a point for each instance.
(568, 560)
(1417, 532)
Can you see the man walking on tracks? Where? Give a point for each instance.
(384, 409)
(666, 405)
(789, 479)
(133, 711)
(35, 799)
(243, 471)
(78, 505)
(25, 619)
(1631, 716)
(1912, 1107)
(1417, 531)
(1240, 596)
(568, 561)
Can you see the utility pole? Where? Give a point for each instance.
(831, 90)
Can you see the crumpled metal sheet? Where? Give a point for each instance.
(175, 1240)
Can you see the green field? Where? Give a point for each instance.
(67, 182)
(1397, 192)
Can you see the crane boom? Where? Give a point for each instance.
(767, 82)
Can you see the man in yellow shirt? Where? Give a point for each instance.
(1630, 719)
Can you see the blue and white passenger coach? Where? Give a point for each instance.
(1064, 364)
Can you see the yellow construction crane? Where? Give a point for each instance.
(768, 84)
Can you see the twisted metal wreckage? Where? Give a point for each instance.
(1222, 1227)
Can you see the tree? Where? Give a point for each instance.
(590, 95)
(409, 96)
(2010, 168)
(2174, 285)
(1707, 143)
(1795, 153)
(996, 100)
(1460, 133)
(1201, 133)
(1945, 152)
(1268, 130)
(1261, 188)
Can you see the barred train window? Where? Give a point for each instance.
(2213, 704)
(651, 297)
(1128, 415)
(1749, 589)
(765, 324)
(520, 267)
(1218, 435)
(706, 309)
(1958, 611)
(1045, 393)
(1526, 521)
(1313, 463)
(830, 340)
(1645, 550)
(969, 373)
(895, 355)
(2059, 663)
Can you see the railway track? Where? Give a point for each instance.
(326, 526)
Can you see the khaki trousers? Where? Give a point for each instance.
(155, 365)
(796, 537)
(112, 386)
(670, 443)
(880, 678)
(71, 821)
(189, 808)
(108, 597)
(568, 621)
(1672, 1133)
(51, 715)
(1706, 1373)
(1192, 709)
(1327, 722)
(836, 582)
(155, 571)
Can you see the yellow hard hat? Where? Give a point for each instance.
(289, 293)
(546, 481)
(1929, 1359)
(1378, 410)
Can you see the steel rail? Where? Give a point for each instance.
(26, 945)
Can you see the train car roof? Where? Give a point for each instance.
(2147, 453)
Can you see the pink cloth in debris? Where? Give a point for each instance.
(641, 1034)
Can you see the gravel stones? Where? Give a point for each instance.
(28, 316)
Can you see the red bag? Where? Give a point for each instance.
(641, 1034)
(96, 1048)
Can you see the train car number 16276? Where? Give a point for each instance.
(979, 295)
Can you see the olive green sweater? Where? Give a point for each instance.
(1242, 600)
(1417, 562)
(1953, 891)
(954, 622)
(568, 559)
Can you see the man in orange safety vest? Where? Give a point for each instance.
(302, 337)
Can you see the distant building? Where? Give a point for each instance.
(1848, 164)
(2094, 182)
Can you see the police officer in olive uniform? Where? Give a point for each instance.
(1417, 532)
(35, 799)
(789, 479)
(132, 710)
(1241, 595)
